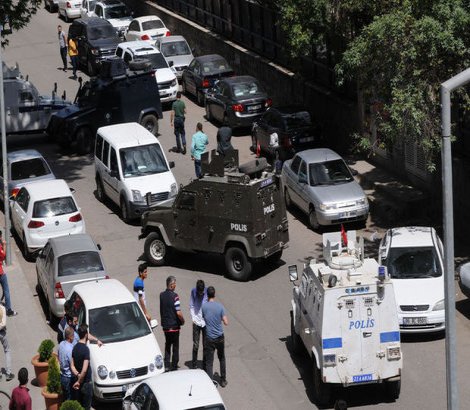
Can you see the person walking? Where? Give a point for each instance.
(224, 137)
(20, 398)
(197, 298)
(177, 116)
(64, 321)
(4, 279)
(62, 46)
(213, 314)
(172, 319)
(198, 147)
(6, 346)
(73, 53)
(83, 386)
(139, 292)
(65, 360)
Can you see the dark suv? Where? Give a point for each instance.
(97, 40)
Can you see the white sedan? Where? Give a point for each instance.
(43, 210)
(147, 28)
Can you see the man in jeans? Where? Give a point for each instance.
(65, 359)
(4, 279)
(5, 344)
(178, 111)
(197, 298)
(198, 147)
(62, 46)
(83, 386)
(214, 315)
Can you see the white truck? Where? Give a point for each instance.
(344, 313)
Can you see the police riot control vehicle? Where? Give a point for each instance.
(117, 95)
(26, 111)
(344, 314)
(237, 211)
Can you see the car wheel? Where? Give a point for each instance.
(200, 98)
(312, 219)
(90, 68)
(322, 391)
(287, 198)
(156, 250)
(225, 121)
(238, 264)
(84, 139)
(296, 342)
(66, 18)
(100, 190)
(26, 253)
(392, 389)
(150, 122)
(125, 210)
(208, 112)
(53, 319)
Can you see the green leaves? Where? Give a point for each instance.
(19, 13)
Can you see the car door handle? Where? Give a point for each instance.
(366, 334)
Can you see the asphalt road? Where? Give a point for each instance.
(262, 373)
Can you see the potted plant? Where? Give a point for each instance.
(40, 361)
(52, 393)
(71, 405)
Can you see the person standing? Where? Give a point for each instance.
(224, 137)
(198, 147)
(6, 346)
(213, 314)
(177, 116)
(20, 398)
(83, 387)
(73, 53)
(172, 319)
(139, 292)
(197, 298)
(4, 279)
(64, 321)
(62, 46)
(65, 360)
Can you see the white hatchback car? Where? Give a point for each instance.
(177, 53)
(130, 351)
(414, 260)
(147, 28)
(43, 210)
(69, 9)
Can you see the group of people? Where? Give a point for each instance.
(69, 47)
(208, 318)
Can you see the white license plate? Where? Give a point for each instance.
(253, 107)
(415, 321)
(307, 139)
(347, 214)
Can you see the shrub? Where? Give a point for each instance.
(53, 376)
(45, 350)
(71, 405)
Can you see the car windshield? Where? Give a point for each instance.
(175, 48)
(413, 262)
(247, 89)
(79, 262)
(29, 168)
(214, 66)
(99, 32)
(117, 323)
(156, 60)
(54, 207)
(116, 12)
(297, 120)
(152, 25)
(329, 173)
(142, 160)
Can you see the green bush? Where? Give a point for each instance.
(53, 376)
(45, 350)
(71, 405)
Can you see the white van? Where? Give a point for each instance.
(131, 169)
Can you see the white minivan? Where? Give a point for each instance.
(131, 169)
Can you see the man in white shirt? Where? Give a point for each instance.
(197, 299)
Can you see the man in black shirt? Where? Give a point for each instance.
(224, 137)
(83, 387)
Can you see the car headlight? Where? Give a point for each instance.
(102, 372)
(112, 374)
(327, 207)
(159, 361)
(174, 82)
(95, 51)
(137, 196)
(361, 201)
(439, 305)
(151, 367)
(173, 189)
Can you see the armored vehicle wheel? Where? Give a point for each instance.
(124, 210)
(296, 343)
(150, 122)
(238, 264)
(287, 198)
(84, 138)
(312, 218)
(200, 98)
(100, 190)
(393, 389)
(321, 390)
(155, 249)
(208, 113)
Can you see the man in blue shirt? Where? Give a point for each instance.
(196, 300)
(214, 316)
(65, 358)
(198, 147)
(139, 292)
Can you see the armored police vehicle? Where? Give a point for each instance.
(237, 211)
(26, 111)
(344, 313)
(117, 95)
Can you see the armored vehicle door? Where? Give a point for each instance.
(306, 303)
(185, 214)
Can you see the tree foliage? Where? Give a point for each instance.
(18, 13)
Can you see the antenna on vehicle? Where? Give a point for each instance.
(191, 390)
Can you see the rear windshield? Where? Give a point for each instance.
(101, 32)
(142, 160)
(413, 262)
(152, 24)
(175, 48)
(30, 168)
(54, 207)
(329, 173)
(297, 120)
(214, 66)
(247, 89)
(116, 12)
(79, 262)
(156, 60)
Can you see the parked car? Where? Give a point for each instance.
(284, 131)
(135, 51)
(147, 28)
(169, 391)
(130, 351)
(202, 73)
(320, 184)
(69, 9)
(51, 5)
(177, 53)
(236, 101)
(464, 279)
(87, 9)
(24, 166)
(116, 13)
(414, 257)
(43, 210)
(62, 263)
(97, 40)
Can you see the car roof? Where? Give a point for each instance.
(147, 18)
(92, 21)
(106, 292)
(66, 244)
(209, 57)
(171, 39)
(411, 236)
(52, 188)
(184, 389)
(239, 79)
(127, 134)
(110, 2)
(139, 46)
(318, 155)
(23, 155)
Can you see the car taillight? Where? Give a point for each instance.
(168, 33)
(58, 291)
(268, 102)
(35, 224)
(106, 277)
(69, 6)
(205, 83)
(238, 107)
(145, 37)
(75, 218)
(14, 191)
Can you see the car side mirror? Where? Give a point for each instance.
(153, 323)
(353, 171)
(98, 246)
(302, 179)
(72, 190)
(171, 63)
(293, 275)
(171, 164)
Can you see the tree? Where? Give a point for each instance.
(18, 13)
